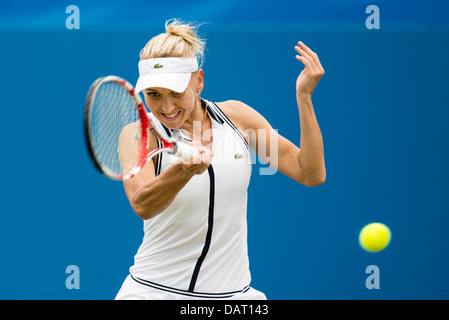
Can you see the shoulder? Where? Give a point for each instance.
(233, 108)
(241, 115)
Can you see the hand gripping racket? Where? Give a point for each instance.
(117, 127)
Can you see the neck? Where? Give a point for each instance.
(199, 123)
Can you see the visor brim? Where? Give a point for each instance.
(177, 82)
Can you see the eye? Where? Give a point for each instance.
(177, 94)
(152, 94)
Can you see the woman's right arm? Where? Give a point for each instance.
(150, 195)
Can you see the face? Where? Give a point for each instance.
(176, 109)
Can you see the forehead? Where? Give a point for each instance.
(161, 90)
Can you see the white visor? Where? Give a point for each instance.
(170, 73)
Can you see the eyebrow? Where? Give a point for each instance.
(154, 90)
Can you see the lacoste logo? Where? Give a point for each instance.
(238, 156)
(158, 66)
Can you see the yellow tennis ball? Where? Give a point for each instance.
(374, 237)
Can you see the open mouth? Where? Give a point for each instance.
(172, 116)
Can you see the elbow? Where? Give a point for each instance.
(314, 183)
(316, 180)
(141, 207)
(142, 212)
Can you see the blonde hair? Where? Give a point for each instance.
(180, 40)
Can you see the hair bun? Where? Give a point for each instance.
(188, 32)
(179, 40)
(177, 28)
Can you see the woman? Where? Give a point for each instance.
(194, 212)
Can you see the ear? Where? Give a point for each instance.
(200, 80)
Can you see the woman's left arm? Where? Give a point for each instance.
(311, 157)
(306, 163)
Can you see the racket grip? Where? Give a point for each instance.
(185, 151)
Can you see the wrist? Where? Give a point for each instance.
(303, 96)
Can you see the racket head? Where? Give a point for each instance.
(116, 128)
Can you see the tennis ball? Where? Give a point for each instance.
(374, 237)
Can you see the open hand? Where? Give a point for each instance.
(312, 73)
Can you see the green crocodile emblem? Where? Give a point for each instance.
(158, 66)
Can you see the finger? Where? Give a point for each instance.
(307, 64)
(206, 157)
(303, 53)
(196, 159)
(306, 57)
(312, 54)
(303, 46)
(196, 144)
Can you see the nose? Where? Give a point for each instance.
(168, 106)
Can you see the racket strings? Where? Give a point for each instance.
(115, 129)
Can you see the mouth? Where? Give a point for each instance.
(171, 116)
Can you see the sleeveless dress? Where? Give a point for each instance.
(197, 247)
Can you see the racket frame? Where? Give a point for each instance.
(147, 125)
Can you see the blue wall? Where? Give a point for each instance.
(382, 107)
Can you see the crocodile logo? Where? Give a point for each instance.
(158, 66)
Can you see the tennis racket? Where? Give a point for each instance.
(117, 130)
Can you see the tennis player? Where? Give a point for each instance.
(194, 212)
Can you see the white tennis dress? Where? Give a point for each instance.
(197, 247)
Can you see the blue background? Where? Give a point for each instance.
(382, 107)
